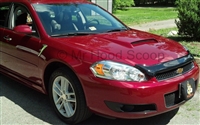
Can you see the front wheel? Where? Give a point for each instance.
(67, 97)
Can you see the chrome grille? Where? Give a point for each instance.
(173, 73)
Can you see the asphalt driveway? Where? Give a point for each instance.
(22, 105)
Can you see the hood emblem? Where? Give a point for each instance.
(179, 70)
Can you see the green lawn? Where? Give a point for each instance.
(193, 46)
(137, 15)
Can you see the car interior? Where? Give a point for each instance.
(21, 19)
(57, 22)
(3, 14)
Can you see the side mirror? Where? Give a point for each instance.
(23, 29)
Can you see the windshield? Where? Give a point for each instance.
(77, 19)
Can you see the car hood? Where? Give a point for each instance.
(132, 46)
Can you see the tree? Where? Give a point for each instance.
(121, 4)
(189, 18)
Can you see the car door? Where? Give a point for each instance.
(20, 50)
(4, 11)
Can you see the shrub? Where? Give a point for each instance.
(189, 18)
(121, 4)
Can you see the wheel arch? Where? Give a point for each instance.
(84, 112)
(50, 68)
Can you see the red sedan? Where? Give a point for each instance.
(88, 61)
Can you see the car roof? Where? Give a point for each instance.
(47, 1)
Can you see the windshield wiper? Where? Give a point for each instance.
(74, 34)
(116, 30)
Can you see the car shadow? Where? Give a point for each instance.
(38, 105)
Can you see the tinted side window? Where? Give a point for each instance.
(21, 16)
(4, 10)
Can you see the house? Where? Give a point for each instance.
(106, 4)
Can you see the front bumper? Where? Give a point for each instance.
(132, 100)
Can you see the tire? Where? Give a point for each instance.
(67, 97)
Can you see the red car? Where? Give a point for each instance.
(87, 61)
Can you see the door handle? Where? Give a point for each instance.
(7, 38)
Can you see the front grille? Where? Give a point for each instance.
(172, 99)
(173, 73)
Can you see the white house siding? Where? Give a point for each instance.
(106, 4)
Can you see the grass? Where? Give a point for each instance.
(193, 46)
(133, 16)
(163, 32)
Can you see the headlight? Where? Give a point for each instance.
(117, 71)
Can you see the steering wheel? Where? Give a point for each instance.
(93, 20)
